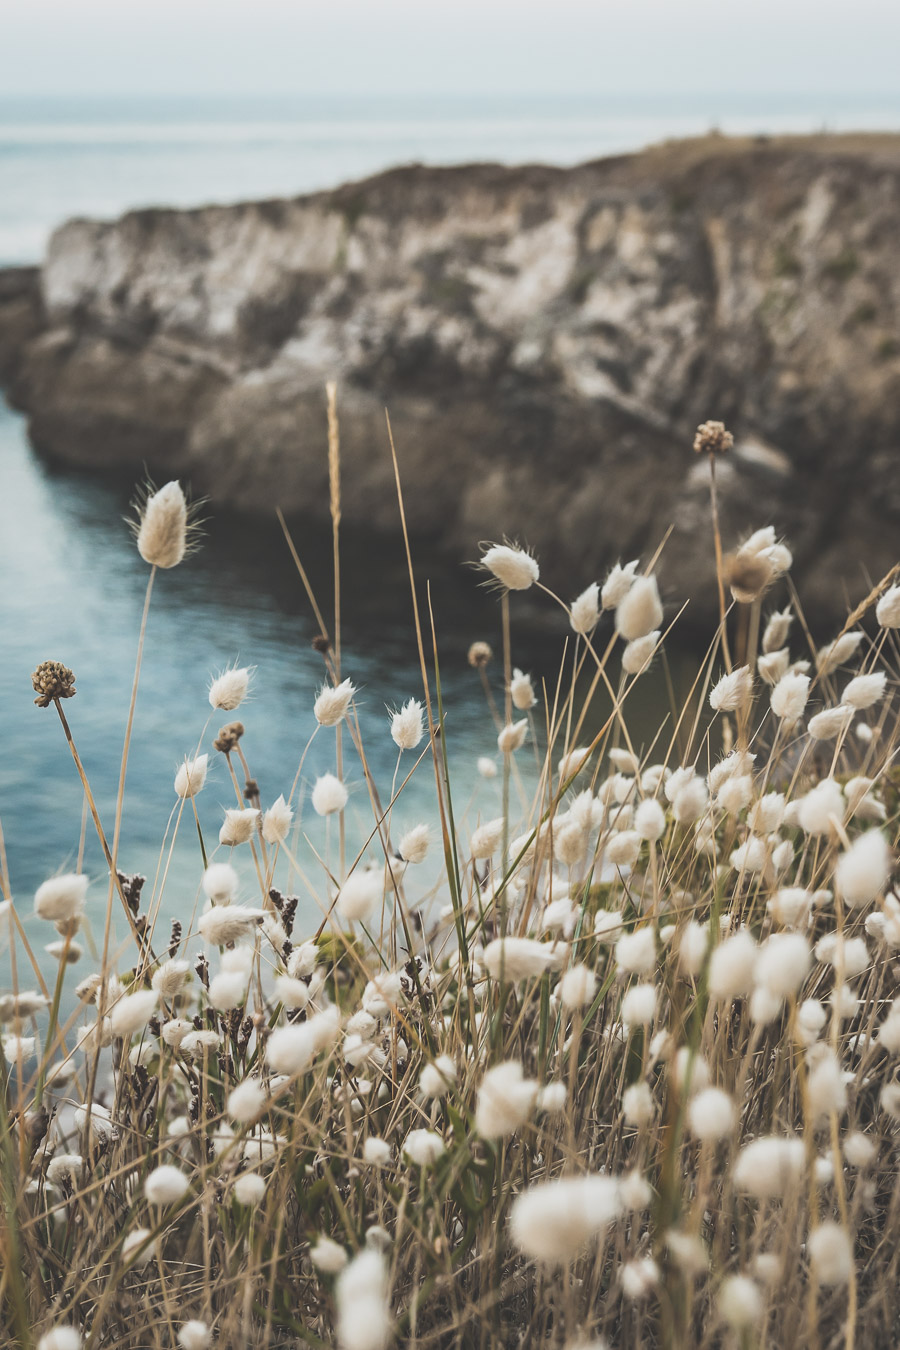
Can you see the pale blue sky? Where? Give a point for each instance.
(462, 47)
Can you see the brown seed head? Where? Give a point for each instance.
(321, 644)
(748, 575)
(713, 439)
(479, 654)
(228, 737)
(52, 680)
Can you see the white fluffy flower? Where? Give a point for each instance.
(220, 883)
(640, 652)
(162, 532)
(740, 1302)
(191, 776)
(361, 894)
(830, 1254)
(423, 1147)
(328, 1256)
(636, 951)
(711, 1114)
(413, 846)
(228, 923)
(332, 703)
(639, 1005)
(329, 795)
(132, 1012)
(783, 962)
(194, 1336)
(228, 690)
(617, 584)
(862, 873)
(437, 1079)
(516, 959)
(521, 691)
(732, 691)
(513, 567)
(376, 1151)
(487, 838)
(277, 821)
(249, 1188)
(732, 966)
(170, 978)
(577, 987)
(836, 653)
(887, 611)
(165, 1186)
(865, 691)
(62, 898)
(408, 725)
(650, 819)
(769, 1166)
(292, 1049)
(61, 1338)
(363, 1309)
(829, 723)
(820, 807)
(512, 737)
(238, 826)
(640, 611)
(247, 1100)
(585, 612)
(553, 1221)
(789, 697)
(505, 1100)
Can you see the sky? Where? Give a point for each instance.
(466, 47)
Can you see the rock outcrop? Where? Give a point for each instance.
(544, 340)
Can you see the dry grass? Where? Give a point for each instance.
(787, 1026)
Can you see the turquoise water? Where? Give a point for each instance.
(98, 157)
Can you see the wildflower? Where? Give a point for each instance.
(277, 821)
(436, 1079)
(862, 873)
(328, 1256)
(637, 1104)
(505, 1100)
(512, 737)
(228, 923)
(859, 1149)
(479, 655)
(783, 963)
(608, 926)
(165, 1186)
(788, 699)
(735, 794)
(773, 665)
(777, 629)
(329, 795)
(513, 567)
(837, 653)
(194, 1336)
(363, 1311)
(332, 703)
(163, 527)
(830, 1254)
(732, 966)
(740, 1302)
(247, 1100)
(552, 1098)
(408, 725)
(376, 1151)
(887, 611)
(826, 1091)
(767, 814)
(584, 614)
(220, 883)
(640, 611)
(650, 819)
(238, 827)
(693, 947)
(170, 978)
(292, 1049)
(769, 1166)
(487, 838)
(249, 1188)
(61, 899)
(865, 691)
(514, 959)
(623, 848)
(360, 894)
(577, 987)
(640, 652)
(690, 801)
(521, 691)
(732, 691)
(829, 723)
(413, 846)
(423, 1147)
(553, 1221)
(617, 584)
(712, 439)
(228, 989)
(228, 690)
(711, 1114)
(133, 1012)
(636, 951)
(639, 1277)
(61, 1338)
(639, 1005)
(821, 807)
(138, 1248)
(52, 680)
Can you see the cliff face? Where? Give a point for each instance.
(545, 341)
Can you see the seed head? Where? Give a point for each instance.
(480, 653)
(162, 528)
(228, 690)
(52, 680)
(513, 567)
(228, 737)
(712, 439)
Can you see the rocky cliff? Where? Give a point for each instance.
(545, 340)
